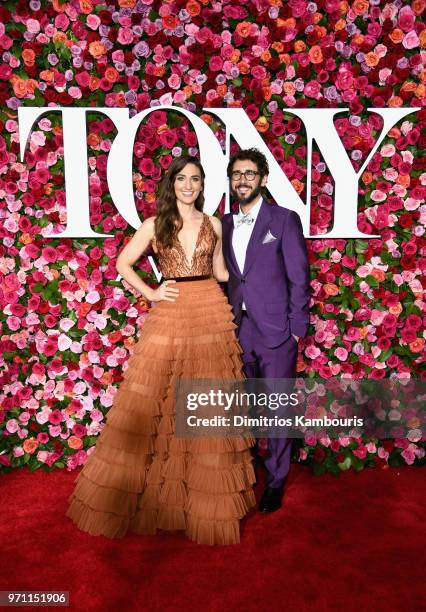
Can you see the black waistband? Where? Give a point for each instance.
(181, 279)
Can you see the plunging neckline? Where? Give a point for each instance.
(196, 244)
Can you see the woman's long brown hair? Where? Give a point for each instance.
(168, 221)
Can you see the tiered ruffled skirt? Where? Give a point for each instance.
(141, 477)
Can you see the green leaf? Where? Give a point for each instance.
(77, 333)
(360, 246)
(350, 247)
(385, 355)
(372, 281)
(412, 309)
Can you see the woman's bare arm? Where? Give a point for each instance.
(220, 270)
(130, 254)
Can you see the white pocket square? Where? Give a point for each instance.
(268, 238)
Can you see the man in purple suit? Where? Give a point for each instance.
(268, 289)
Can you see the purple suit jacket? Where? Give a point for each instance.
(274, 284)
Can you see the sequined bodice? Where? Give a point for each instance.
(173, 261)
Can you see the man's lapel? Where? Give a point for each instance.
(227, 243)
(258, 233)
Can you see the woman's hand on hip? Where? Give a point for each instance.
(165, 292)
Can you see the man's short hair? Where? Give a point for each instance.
(253, 155)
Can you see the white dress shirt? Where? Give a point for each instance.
(242, 234)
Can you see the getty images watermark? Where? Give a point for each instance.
(290, 407)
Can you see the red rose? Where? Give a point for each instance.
(388, 445)
(410, 248)
(4, 460)
(413, 136)
(79, 430)
(408, 263)
(405, 220)
(377, 374)
(168, 138)
(146, 166)
(393, 361)
(418, 193)
(319, 455)
(414, 321)
(55, 417)
(383, 343)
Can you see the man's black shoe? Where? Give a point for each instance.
(271, 500)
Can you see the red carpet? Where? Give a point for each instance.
(354, 543)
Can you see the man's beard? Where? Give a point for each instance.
(250, 196)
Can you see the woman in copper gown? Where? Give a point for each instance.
(141, 477)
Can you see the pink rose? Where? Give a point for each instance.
(125, 36)
(49, 254)
(215, 63)
(352, 333)
(117, 56)
(258, 72)
(410, 40)
(174, 81)
(310, 438)
(297, 7)
(54, 430)
(406, 19)
(344, 80)
(42, 456)
(347, 279)
(344, 440)
(312, 352)
(13, 323)
(378, 196)
(12, 426)
(382, 453)
(312, 89)
(93, 21)
(387, 150)
(62, 21)
(341, 353)
(33, 26)
(360, 452)
(408, 455)
(411, 204)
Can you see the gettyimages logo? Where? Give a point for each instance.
(289, 408)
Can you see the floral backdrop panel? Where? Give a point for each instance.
(68, 323)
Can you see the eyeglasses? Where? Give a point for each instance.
(249, 175)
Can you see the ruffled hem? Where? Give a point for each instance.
(213, 532)
(141, 478)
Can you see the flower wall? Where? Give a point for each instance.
(68, 325)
